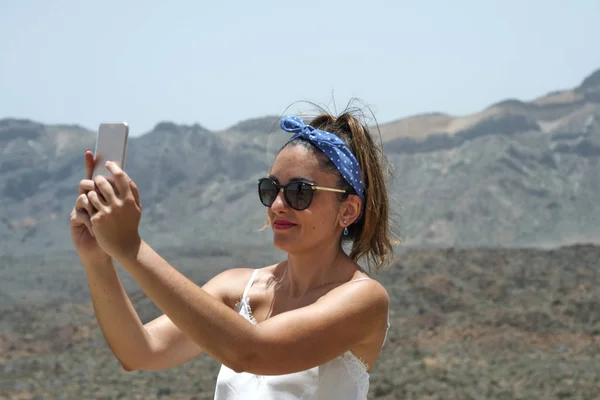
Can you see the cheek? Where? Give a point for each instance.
(322, 222)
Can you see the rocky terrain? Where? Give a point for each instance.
(466, 324)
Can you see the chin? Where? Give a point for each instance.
(286, 244)
(282, 244)
(293, 245)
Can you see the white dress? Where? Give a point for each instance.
(344, 377)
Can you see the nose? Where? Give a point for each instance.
(279, 204)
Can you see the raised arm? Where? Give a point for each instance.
(171, 347)
(290, 342)
(157, 345)
(120, 324)
(117, 318)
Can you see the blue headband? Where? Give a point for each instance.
(333, 147)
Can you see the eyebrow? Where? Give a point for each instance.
(295, 179)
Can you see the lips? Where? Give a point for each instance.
(283, 224)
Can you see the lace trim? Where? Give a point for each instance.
(362, 361)
(244, 309)
(356, 369)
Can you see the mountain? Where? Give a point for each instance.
(465, 322)
(515, 174)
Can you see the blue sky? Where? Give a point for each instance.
(217, 63)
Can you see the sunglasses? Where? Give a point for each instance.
(298, 195)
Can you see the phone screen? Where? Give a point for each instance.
(111, 145)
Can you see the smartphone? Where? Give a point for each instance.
(111, 145)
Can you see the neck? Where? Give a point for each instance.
(310, 269)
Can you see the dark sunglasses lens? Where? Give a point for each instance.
(299, 195)
(267, 192)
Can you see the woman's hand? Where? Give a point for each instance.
(116, 221)
(85, 244)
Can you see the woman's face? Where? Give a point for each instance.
(297, 231)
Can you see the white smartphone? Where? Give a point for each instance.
(111, 145)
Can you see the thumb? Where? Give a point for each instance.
(80, 217)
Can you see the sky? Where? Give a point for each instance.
(220, 62)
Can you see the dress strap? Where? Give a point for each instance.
(359, 279)
(387, 329)
(249, 285)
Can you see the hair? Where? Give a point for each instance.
(371, 236)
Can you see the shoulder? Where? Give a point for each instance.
(230, 284)
(242, 274)
(233, 274)
(365, 302)
(369, 291)
(367, 298)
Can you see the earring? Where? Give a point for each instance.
(345, 229)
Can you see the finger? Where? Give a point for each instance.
(111, 180)
(106, 189)
(86, 185)
(96, 201)
(83, 203)
(90, 164)
(121, 179)
(80, 216)
(135, 192)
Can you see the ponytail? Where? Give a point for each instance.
(371, 235)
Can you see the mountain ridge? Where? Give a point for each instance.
(534, 162)
(592, 81)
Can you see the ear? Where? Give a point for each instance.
(350, 210)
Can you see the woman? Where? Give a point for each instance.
(313, 325)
